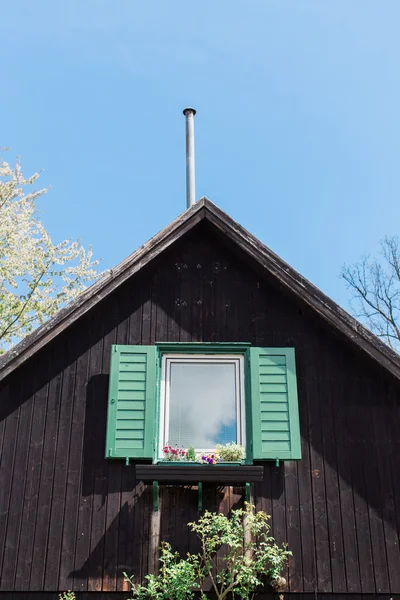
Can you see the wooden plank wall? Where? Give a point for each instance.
(69, 519)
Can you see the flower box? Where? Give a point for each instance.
(192, 473)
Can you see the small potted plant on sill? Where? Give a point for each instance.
(173, 453)
(228, 454)
(190, 455)
(231, 454)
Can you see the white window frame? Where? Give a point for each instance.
(165, 391)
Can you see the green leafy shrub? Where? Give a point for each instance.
(67, 595)
(177, 579)
(251, 558)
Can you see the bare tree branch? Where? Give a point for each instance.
(374, 285)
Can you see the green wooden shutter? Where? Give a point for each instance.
(131, 426)
(274, 404)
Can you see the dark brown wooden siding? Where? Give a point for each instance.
(69, 519)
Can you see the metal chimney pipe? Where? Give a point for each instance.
(190, 179)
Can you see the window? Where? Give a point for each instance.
(201, 395)
(202, 401)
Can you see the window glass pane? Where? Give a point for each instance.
(202, 410)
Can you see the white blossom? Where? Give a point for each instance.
(37, 277)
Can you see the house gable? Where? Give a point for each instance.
(240, 241)
(84, 519)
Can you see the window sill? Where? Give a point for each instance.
(193, 463)
(185, 473)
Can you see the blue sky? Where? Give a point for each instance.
(297, 129)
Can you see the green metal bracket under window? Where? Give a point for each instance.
(200, 497)
(248, 492)
(155, 496)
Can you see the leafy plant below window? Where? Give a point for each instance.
(251, 559)
(67, 595)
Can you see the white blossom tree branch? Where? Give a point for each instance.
(37, 277)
